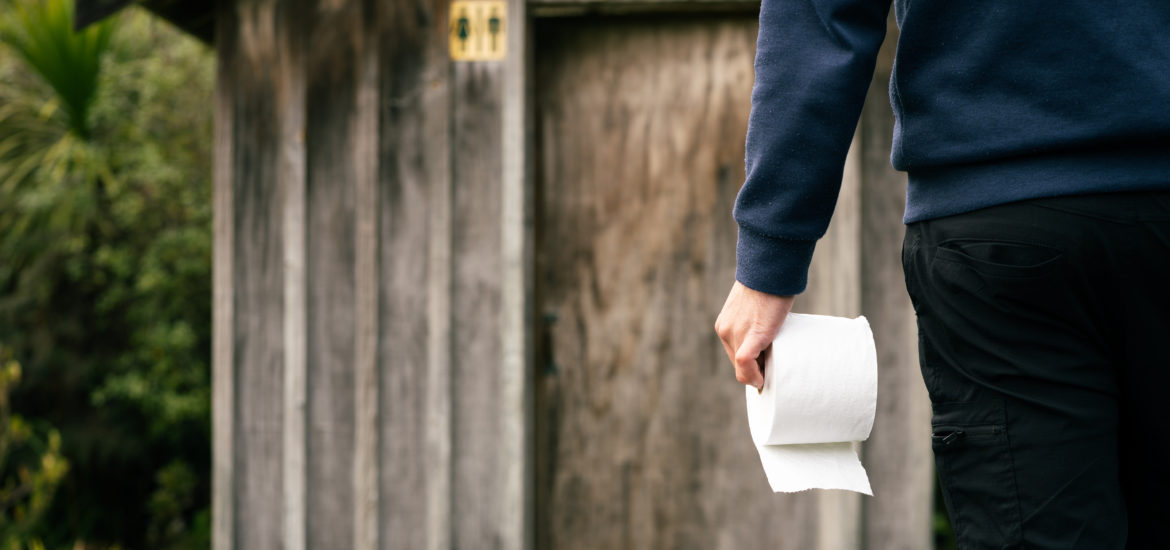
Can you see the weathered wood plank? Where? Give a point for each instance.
(224, 410)
(641, 131)
(364, 137)
(291, 174)
(898, 454)
(259, 140)
(439, 472)
(476, 174)
(414, 254)
(516, 329)
(334, 30)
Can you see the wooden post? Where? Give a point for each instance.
(414, 293)
(364, 137)
(224, 411)
(291, 178)
(260, 271)
(516, 290)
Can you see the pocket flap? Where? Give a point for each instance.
(969, 413)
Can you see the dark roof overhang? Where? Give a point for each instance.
(196, 17)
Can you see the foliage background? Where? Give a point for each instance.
(105, 273)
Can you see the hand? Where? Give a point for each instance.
(747, 325)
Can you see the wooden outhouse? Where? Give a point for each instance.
(468, 256)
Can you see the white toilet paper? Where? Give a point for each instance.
(819, 396)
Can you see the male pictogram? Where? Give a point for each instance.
(494, 28)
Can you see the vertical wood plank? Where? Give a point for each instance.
(475, 297)
(334, 29)
(515, 395)
(898, 454)
(438, 411)
(223, 313)
(364, 128)
(291, 175)
(414, 233)
(258, 278)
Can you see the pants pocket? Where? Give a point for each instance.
(973, 455)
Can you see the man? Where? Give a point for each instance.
(1036, 139)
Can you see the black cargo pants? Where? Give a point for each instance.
(1044, 338)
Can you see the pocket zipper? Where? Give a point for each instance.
(948, 435)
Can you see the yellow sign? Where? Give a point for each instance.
(479, 30)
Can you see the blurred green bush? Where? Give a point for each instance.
(30, 458)
(105, 269)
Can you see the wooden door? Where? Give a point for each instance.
(641, 434)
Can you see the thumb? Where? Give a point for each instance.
(749, 360)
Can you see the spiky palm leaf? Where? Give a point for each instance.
(41, 32)
(46, 95)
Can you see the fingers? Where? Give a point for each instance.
(728, 335)
(746, 326)
(745, 373)
(730, 351)
(749, 360)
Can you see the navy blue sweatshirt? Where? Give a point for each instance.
(995, 101)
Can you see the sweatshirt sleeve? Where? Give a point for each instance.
(814, 62)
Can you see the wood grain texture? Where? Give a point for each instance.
(364, 137)
(516, 329)
(224, 411)
(642, 433)
(475, 300)
(898, 454)
(334, 29)
(414, 284)
(258, 278)
(291, 22)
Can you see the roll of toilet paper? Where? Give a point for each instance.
(819, 398)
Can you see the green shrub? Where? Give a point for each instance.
(31, 467)
(105, 264)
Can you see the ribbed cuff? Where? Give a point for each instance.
(771, 265)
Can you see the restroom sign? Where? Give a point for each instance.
(479, 30)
